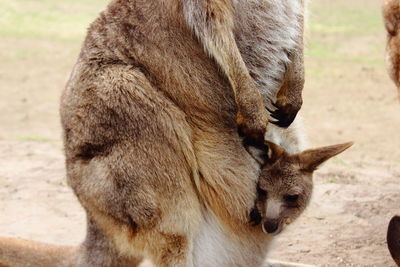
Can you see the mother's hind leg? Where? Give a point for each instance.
(149, 207)
(99, 250)
(130, 162)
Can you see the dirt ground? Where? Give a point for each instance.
(348, 96)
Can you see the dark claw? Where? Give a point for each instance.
(275, 105)
(269, 110)
(284, 123)
(283, 116)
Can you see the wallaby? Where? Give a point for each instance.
(284, 190)
(285, 185)
(393, 238)
(391, 16)
(150, 117)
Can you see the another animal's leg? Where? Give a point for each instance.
(393, 238)
(212, 22)
(390, 12)
(391, 16)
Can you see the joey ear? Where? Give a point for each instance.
(265, 153)
(258, 152)
(312, 158)
(274, 151)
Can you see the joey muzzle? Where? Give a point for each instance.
(271, 226)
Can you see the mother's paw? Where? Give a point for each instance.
(284, 113)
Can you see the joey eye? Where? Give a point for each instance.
(262, 193)
(291, 198)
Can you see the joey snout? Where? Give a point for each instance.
(270, 226)
(273, 214)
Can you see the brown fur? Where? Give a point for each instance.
(289, 99)
(36, 254)
(393, 239)
(285, 183)
(391, 15)
(150, 118)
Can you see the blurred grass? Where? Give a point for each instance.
(39, 43)
(64, 21)
(333, 28)
(67, 21)
(348, 19)
(341, 162)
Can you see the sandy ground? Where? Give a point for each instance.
(348, 96)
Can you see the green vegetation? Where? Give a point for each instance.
(339, 161)
(336, 30)
(331, 180)
(66, 21)
(47, 19)
(348, 19)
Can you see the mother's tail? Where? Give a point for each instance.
(21, 253)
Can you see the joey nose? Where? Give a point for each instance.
(271, 226)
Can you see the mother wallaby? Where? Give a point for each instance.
(150, 117)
